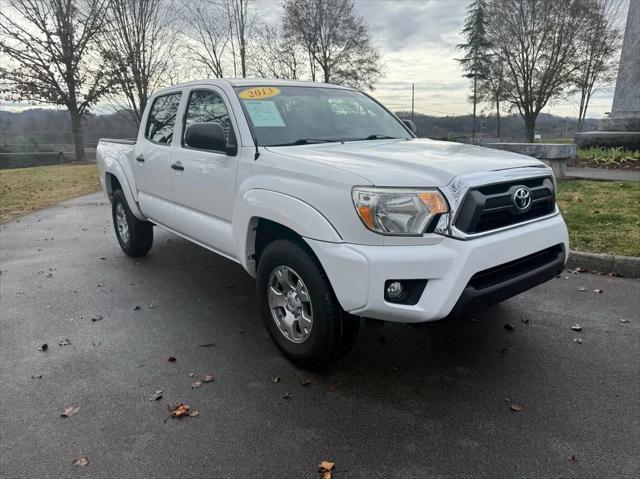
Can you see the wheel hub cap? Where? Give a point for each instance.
(121, 223)
(290, 304)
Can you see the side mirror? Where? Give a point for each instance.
(206, 136)
(410, 124)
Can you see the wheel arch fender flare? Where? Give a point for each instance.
(115, 168)
(286, 210)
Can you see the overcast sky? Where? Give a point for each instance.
(417, 39)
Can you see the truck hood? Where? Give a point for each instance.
(409, 163)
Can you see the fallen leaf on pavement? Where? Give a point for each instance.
(136, 308)
(64, 342)
(156, 396)
(581, 288)
(196, 385)
(515, 407)
(326, 468)
(207, 345)
(524, 321)
(597, 291)
(623, 320)
(97, 318)
(80, 461)
(577, 340)
(194, 413)
(192, 374)
(36, 376)
(178, 411)
(172, 359)
(576, 327)
(207, 378)
(275, 379)
(69, 411)
(287, 395)
(573, 459)
(305, 382)
(508, 327)
(43, 347)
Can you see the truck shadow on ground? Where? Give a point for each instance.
(453, 355)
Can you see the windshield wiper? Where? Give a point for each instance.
(375, 136)
(378, 136)
(307, 141)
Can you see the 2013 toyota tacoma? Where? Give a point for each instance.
(334, 206)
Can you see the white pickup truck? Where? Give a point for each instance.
(334, 205)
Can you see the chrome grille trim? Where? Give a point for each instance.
(457, 189)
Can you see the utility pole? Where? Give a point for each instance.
(413, 95)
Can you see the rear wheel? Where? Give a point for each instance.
(135, 236)
(299, 308)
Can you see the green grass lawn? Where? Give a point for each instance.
(26, 189)
(603, 217)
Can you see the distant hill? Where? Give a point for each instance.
(511, 126)
(50, 130)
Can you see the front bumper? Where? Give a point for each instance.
(358, 272)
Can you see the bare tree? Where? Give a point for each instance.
(275, 56)
(492, 88)
(138, 46)
(336, 39)
(240, 23)
(599, 42)
(208, 34)
(51, 56)
(536, 40)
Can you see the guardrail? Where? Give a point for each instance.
(42, 158)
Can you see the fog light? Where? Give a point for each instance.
(395, 290)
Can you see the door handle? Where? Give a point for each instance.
(177, 166)
(140, 158)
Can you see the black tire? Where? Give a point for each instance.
(330, 335)
(140, 233)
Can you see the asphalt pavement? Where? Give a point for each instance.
(460, 399)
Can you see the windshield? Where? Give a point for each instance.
(298, 115)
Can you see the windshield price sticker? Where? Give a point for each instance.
(264, 114)
(259, 93)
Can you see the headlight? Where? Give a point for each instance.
(395, 211)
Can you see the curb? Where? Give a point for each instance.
(626, 266)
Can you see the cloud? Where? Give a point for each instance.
(418, 41)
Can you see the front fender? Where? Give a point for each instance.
(280, 208)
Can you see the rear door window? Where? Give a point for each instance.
(162, 118)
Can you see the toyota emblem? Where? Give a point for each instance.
(522, 199)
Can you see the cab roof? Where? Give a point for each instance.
(242, 82)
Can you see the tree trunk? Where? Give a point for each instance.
(243, 59)
(327, 73)
(498, 116)
(78, 135)
(530, 125)
(475, 98)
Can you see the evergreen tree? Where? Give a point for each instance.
(475, 61)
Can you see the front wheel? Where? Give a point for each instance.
(299, 308)
(135, 236)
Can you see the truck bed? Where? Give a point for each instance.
(122, 141)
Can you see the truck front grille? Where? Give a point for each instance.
(490, 207)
